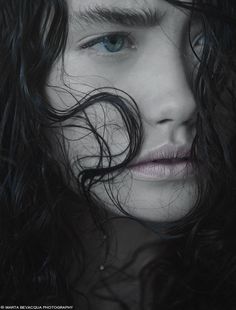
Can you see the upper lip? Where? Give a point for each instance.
(165, 152)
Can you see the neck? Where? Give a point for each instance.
(127, 236)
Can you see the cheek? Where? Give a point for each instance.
(93, 138)
(97, 138)
(97, 132)
(79, 76)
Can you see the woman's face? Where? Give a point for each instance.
(148, 56)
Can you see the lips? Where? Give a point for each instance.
(168, 162)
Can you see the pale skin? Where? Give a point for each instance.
(154, 66)
(159, 61)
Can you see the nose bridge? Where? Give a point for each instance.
(169, 98)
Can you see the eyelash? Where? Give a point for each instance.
(128, 43)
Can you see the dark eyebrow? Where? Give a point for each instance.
(119, 16)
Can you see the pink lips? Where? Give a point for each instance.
(168, 162)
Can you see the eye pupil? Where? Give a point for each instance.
(113, 43)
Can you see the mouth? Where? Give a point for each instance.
(157, 166)
(168, 161)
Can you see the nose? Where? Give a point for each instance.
(167, 101)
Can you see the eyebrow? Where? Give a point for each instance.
(118, 16)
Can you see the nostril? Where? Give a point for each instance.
(163, 121)
(190, 122)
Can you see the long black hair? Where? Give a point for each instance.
(40, 214)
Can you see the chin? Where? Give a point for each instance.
(151, 201)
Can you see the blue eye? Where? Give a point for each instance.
(110, 44)
(199, 40)
(113, 43)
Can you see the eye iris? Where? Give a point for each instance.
(200, 41)
(113, 43)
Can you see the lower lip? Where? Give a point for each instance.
(156, 171)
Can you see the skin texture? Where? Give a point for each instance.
(155, 68)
